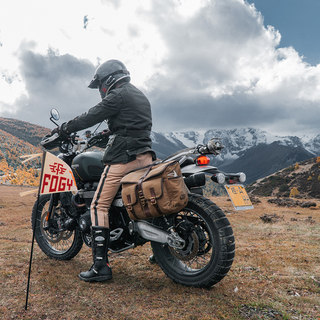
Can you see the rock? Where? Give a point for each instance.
(289, 202)
(283, 202)
(271, 218)
(316, 280)
(310, 220)
(308, 204)
(254, 200)
(260, 312)
(293, 293)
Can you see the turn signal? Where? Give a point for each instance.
(202, 161)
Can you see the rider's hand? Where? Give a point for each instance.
(106, 132)
(54, 131)
(61, 131)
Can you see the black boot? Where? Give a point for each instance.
(100, 270)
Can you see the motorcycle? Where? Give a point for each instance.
(194, 247)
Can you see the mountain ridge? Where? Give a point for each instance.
(254, 151)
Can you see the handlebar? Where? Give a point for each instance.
(214, 146)
(72, 143)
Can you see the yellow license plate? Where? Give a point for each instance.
(239, 197)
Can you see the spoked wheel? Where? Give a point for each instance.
(54, 240)
(209, 247)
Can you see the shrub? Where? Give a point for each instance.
(283, 188)
(294, 192)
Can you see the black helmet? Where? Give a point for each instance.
(107, 75)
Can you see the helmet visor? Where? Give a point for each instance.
(94, 84)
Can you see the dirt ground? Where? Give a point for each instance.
(275, 274)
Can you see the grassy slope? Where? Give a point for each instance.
(270, 278)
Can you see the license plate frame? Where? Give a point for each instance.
(238, 196)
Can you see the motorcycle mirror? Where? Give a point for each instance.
(55, 114)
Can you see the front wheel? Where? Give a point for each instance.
(209, 247)
(53, 239)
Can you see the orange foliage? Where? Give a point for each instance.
(294, 192)
(12, 171)
(24, 176)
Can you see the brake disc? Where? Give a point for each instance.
(65, 235)
(190, 250)
(49, 236)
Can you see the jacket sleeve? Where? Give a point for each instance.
(108, 107)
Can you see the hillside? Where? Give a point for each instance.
(25, 131)
(19, 138)
(11, 148)
(301, 179)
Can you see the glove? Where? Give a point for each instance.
(106, 132)
(54, 131)
(61, 131)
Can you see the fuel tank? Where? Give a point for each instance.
(88, 166)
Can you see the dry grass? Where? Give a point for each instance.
(275, 275)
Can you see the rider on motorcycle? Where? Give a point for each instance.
(128, 114)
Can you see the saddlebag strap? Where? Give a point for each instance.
(143, 201)
(130, 207)
(154, 200)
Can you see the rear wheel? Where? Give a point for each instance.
(54, 240)
(209, 247)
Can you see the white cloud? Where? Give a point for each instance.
(226, 53)
(208, 63)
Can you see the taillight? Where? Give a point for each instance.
(202, 161)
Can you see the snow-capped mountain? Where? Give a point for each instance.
(235, 141)
(243, 147)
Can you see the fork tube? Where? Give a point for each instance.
(53, 203)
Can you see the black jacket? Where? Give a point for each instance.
(128, 114)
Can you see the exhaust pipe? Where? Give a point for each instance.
(152, 233)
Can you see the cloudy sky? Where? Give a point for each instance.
(203, 64)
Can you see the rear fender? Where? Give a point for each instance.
(192, 169)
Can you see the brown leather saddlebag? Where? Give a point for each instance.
(154, 191)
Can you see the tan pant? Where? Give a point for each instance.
(109, 185)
